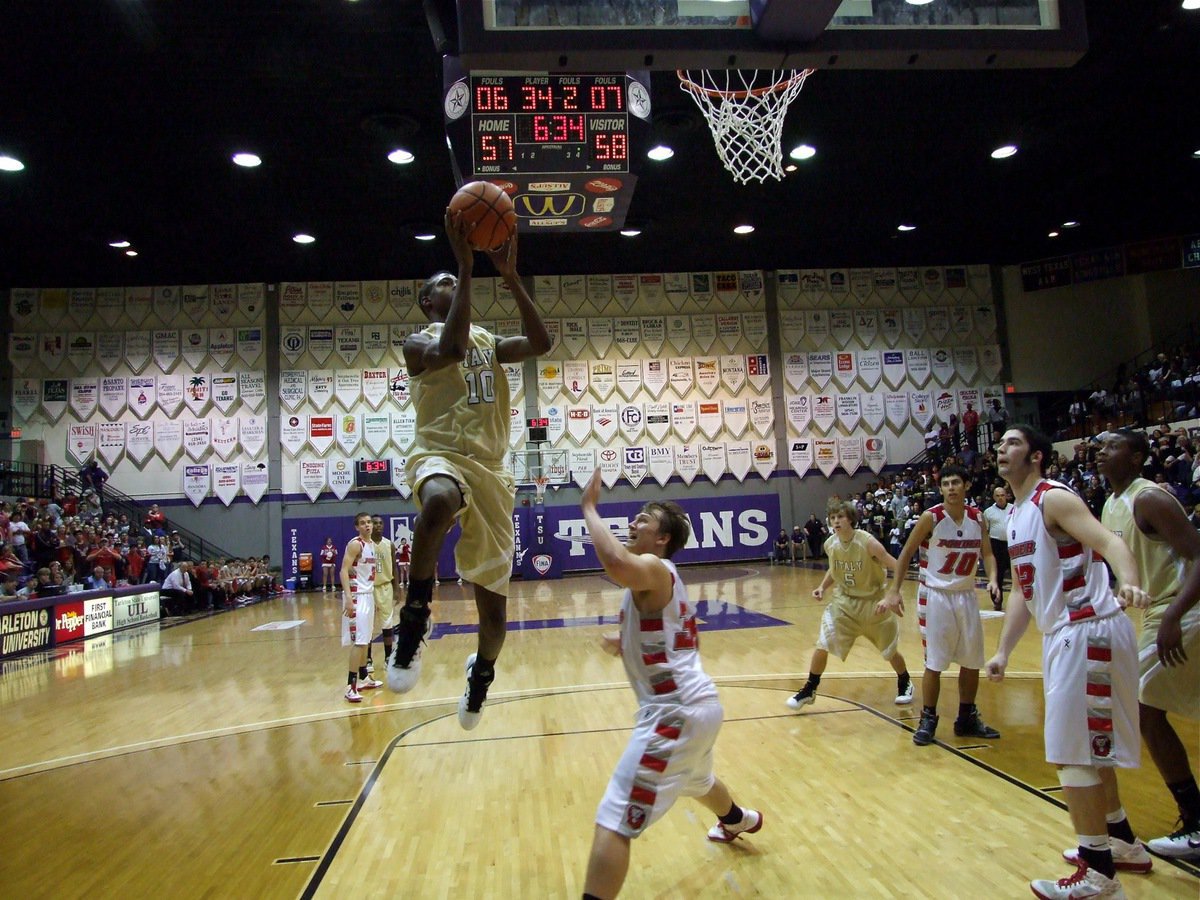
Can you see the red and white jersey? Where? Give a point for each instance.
(1062, 581)
(329, 555)
(362, 574)
(662, 654)
(950, 555)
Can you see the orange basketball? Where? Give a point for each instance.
(489, 213)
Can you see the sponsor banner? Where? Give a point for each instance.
(312, 478)
(654, 377)
(624, 290)
(850, 453)
(990, 361)
(754, 328)
(918, 364)
(320, 299)
(579, 423)
(701, 287)
(550, 379)
(604, 422)
(252, 386)
(54, 397)
(654, 333)
(600, 333)
(27, 393)
(820, 368)
(788, 284)
(347, 342)
(942, 365)
(679, 332)
(966, 362)
(546, 292)
(135, 609)
(320, 433)
(81, 442)
(164, 347)
(627, 334)
(992, 395)
(849, 410)
(168, 440)
(346, 297)
(165, 303)
(293, 388)
(738, 459)
(713, 461)
(932, 282)
(945, 404)
(575, 378)
(956, 281)
(227, 481)
(250, 299)
(894, 371)
(582, 464)
(682, 376)
(224, 391)
(914, 323)
(139, 441)
(398, 386)
(194, 343)
(661, 463)
(861, 282)
(21, 349)
(81, 305)
(733, 373)
(750, 283)
(376, 340)
(514, 374)
(909, 282)
(320, 342)
(875, 453)
(293, 296)
(341, 476)
(376, 430)
(825, 452)
(708, 418)
(985, 320)
(792, 326)
(197, 392)
(629, 379)
(704, 330)
(841, 326)
(729, 329)
(599, 289)
(556, 425)
(81, 349)
(920, 404)
(221, 346)
(763, 458)
(249, 342)
(758, 371)
(68, 622)
(516, 428)
(347, 387)
(675, 286)
(137, 303)
(321, 388)
(224, 437)
(110, 304)
(736, 417)
(870, 367)
(254, 480)
(683, 420)
(845, 369)
(111, 441)
(707, 375)
(252, 434)
(799, 412)
(961, 321)
(885, 283)
(824, 412)
(137, 350)
(52, 348)
(795, 370)
(658, 420)
(937, 321)
(633, 465)
(574, 291)
(873, 412)
(687, 462)
(895, 406)
(762, 415)
(293, 341)
(293, 433)
(404, 428)
(84, 396)
(603, 378)
(375, 386)
(110, 350)
(631, 422)
(609, 461)
(890, 325)
(197, 438)
(574, 335)
(800, 456)
(197, 481)
(816, 323)
(222, 300)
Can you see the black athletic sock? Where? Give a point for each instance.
(362, 673)
(733, 817)
(420, 592)
(483, 669)
(369, 654)
(964, 711)
(351, 679)
(387, 643)
(1100, 860)
(1187, 798)
(902, 682)
(814, 681)
(1121, 830)
(930, 710)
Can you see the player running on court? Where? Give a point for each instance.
(951, 539)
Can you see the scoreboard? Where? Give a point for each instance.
(560, 145)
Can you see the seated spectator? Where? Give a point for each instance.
(176, 593)
(799, 543)
(8, 587)
(781, 550)
(97, 581)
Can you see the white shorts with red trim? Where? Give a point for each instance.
(669, 755)
(359, 628)
(951, 631)
(1090, 681)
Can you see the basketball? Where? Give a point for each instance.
(488, 212)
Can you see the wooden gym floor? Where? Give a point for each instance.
(211, 759)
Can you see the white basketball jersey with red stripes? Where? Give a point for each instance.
(362, 575)
(1062, 581)
(950, 555)
(662, 653)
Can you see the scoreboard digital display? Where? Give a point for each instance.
(373, 473)
(550, 123)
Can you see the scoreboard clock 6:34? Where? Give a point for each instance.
(373, 473)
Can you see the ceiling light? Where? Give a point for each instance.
(1004, 152)
(120, 245)
(246, 160)
(1191, 4)
(1196, 153)
(917, 2)
(802, 151)
(425, 236)
(10, 164)
(906, 227)
(1052, 234)
(1071, 224)
(131, 253)
(401, 157)
(743, 229)
(660, 153)
(790, 167)
(303, 238)
(630, 232)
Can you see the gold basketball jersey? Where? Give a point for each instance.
(854, 572)
(1161, 568)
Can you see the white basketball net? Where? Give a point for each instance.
(746, 120)
(539, 486)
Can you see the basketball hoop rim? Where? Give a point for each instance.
(780, 85)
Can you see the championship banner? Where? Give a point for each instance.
(896, 408)
(791, 326)
(139, 441)
(713, 462)
(799, 412)
(762, 415)
(81, 442)
(966, 362)
(729, 330)
(726, 288)
(320, 343)
(376, 341)
(137, 350)
(27, 393)
(850, 453)
(661, 464)
(579, 423)
(683, 420)
(654, 377)
(917, 362)
(629, 379)
(376, 386)
(861, 281)
(872, 410)
(736, 417)
(227, 481)
(293, 296)
(81, 349)
(754, 328)
(197, 438)
(143, 395)
(574, 335)
(682, 376)
(341, 477)
(875, 454)
(627, 334)
(707, 375)
(250, 299)
(556, 419)
(346, 297)
(603, 378)
(110, 304)
(320, 388)
(252, 434)
(293, 388)
(990, 362)
(820, 368)
(654, 333)
(758, 371)
(312, 471)
(254, 480)
(942, 365)
(193, 300)
(165, 304)
(84, 396)
(738, 459)
(658, 420)
(631, 422)
(679, 332)
(826, 454)
(914, 323)
(708, 418)
(399, 386)
(795, 370)
(921, 406)
(347, 387)
(600, 333)
(197, 392)
(376, 431)
(609, 461)
(704, 331)
(221, 346)
(55, 392)
(137, 304)
(582, 464)
(347, 342)
(841, 326)
(937, 321)
(575, 378)
(168, 440)
(800, 456)
(885, 283)
(224, 437)
(945, 404)
(194, 342)
(249, 342)
(816, 323)
(701, 288)
(404, 428)
(961, 321)
(52, 348)
(110, 350)
(400, 477)
(197, 481)
(849, 410)
(349, 435)
(763, 458)
(222, 300)
(687, 462)
(845, 369)
(320, 433)
(293, 433)
(224, 391)
(824, 412)
(733, 373)
(164, 347)
(604, 422)
(633, 465)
